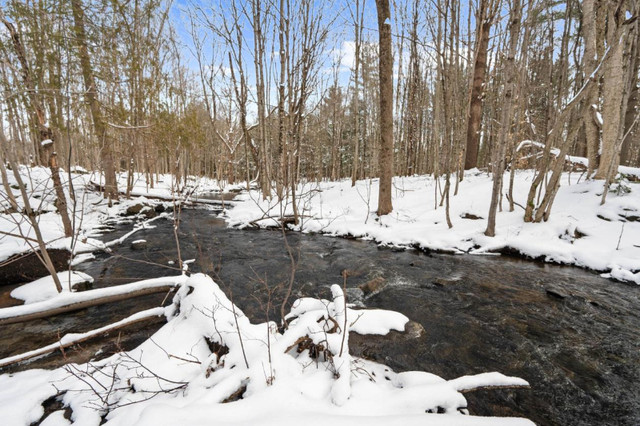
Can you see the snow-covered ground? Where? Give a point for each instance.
(88, 212)
(579, 232)
(209, 353)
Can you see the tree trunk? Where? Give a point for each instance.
(46, 137)
(356, 94)
(106, 153)
(505, 120)
(386, 107)
(477, 87)
(281, 175)
(263, 158)
(592, 132)
(631, 126)
(613, 89)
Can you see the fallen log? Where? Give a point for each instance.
(73, 338)
(483, 388)
(188, 201)
(75, 306)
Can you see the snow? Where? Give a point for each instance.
(528, 143)
(91, 209)
(485, 380)
(599, 118)
(78, 169)
(44, 288)
(284, 383)
(57, 300)
(46, 142)
(579, 231)
(136, 228)
(175, 378)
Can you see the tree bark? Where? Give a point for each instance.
(106, 151)
(477, 87)
(592, 131)
(614, 103)
(505, 119)
(258, 40)
(356, 94)
(386, 107)
(631, 126)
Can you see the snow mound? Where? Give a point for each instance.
(44, 288)
(209, 363)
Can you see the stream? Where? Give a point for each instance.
(572, 334)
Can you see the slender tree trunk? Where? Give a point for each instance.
(263, 158)
(506, 116)
(281, 174)
(356, 93)
(631, 125)
(477, 87)
(386, 107)
(613, 88)
(46, 135)
(592, 133)
(106, 152)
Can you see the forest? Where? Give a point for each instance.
(272, 93)
(172, 171)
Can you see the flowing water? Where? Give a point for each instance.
(572, 334)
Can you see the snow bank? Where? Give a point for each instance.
(88, 212)
(579, 231)
(209, 353)
(45, 288)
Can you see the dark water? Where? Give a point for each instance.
(572, 334)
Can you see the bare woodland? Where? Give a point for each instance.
(244, 90)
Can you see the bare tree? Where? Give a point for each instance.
(111, 183)
(386, 107)
(358, 19)
(43, 255)
(615, 87)
(485, 15)
(46, 136)
(506, 116)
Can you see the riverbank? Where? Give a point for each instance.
(90, 214)
(579, 231)
(567, 331)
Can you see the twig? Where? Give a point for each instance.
(620, 237)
